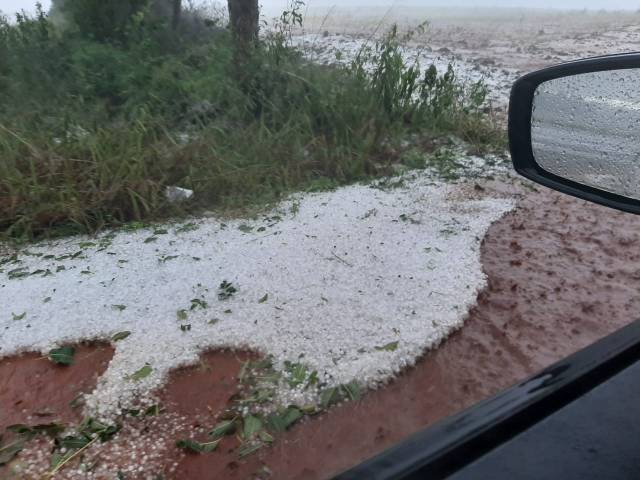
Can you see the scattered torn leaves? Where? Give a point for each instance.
(62, 356)
(187, 227)
(196, 447)
(8, 451)
(198, 303)
(226, 427)
(226, 290)
(51, 429)
(282, 420)
(297, 373)
(87, 433)
(91, 427)
(18, 273)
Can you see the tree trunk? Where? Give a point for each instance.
(244, 17)
(176, 14)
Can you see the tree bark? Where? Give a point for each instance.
(244, 17)
(176, 14)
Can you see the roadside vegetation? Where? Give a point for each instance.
(100, 114)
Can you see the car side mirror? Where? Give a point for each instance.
(575, 128)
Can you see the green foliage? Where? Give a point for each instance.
(102, 20)
(96, 121)
(192, 446)
(62, 356)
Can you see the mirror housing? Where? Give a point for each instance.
(521, 108)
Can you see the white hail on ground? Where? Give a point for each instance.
(326, 279)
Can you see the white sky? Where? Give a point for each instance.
(11, 6)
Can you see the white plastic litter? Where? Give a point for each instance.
(177, 194)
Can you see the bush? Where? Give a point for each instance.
(91, 132)
(100, 20)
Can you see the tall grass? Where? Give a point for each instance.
(92, 132)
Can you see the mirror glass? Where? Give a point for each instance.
(586, 128)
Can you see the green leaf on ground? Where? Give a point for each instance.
(62, 356)
(389, 347)
(283, 420)
(223, 428)
(244, 228)
(226, 290)
(144, 372)
(264, 299)
(197, 447)
(198, 303)
(249, 449)
(352, 390)
(153, 410)
(119, 307)
(58, 458)
(120, 336)
(51, 429)
(187, 227)
(252, 425)
(182, 314)
(74, 442)
(329, 396)
(18, 273)
(22, 316)
(266, 436)
(297, 373)
(9, 451)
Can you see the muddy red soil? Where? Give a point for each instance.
(33, 390)
(562, 274)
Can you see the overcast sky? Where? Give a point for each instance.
(11, 6)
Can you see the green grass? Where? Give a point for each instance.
(91, 133)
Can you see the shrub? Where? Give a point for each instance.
(91, 132)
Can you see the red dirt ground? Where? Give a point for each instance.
(34, 390)
(562, 274)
